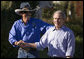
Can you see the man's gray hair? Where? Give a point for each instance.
(60, 12)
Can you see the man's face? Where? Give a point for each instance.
(26, 14)
(58, 20)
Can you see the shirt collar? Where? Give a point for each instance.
(59, 29)
(27, 21)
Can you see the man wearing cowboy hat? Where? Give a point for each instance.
(27, 30)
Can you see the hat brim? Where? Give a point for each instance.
(17, 11)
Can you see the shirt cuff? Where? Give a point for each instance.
(14, 44)
(69, 54)
(38, 46)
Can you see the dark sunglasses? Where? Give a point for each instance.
(24, 12)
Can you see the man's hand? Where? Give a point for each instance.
(22, 44)
(68, 57)
(25, 45)
(19, 43)
(33, 45)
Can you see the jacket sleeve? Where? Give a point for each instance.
(12, 35)
(43, 43)
(44, 26)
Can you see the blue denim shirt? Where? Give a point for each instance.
(29, 33)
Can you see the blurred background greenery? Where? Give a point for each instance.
(74, 21)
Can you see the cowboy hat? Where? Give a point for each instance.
(24, 6)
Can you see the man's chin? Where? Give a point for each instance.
(56, 25)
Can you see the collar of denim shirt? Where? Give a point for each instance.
(29, 21)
